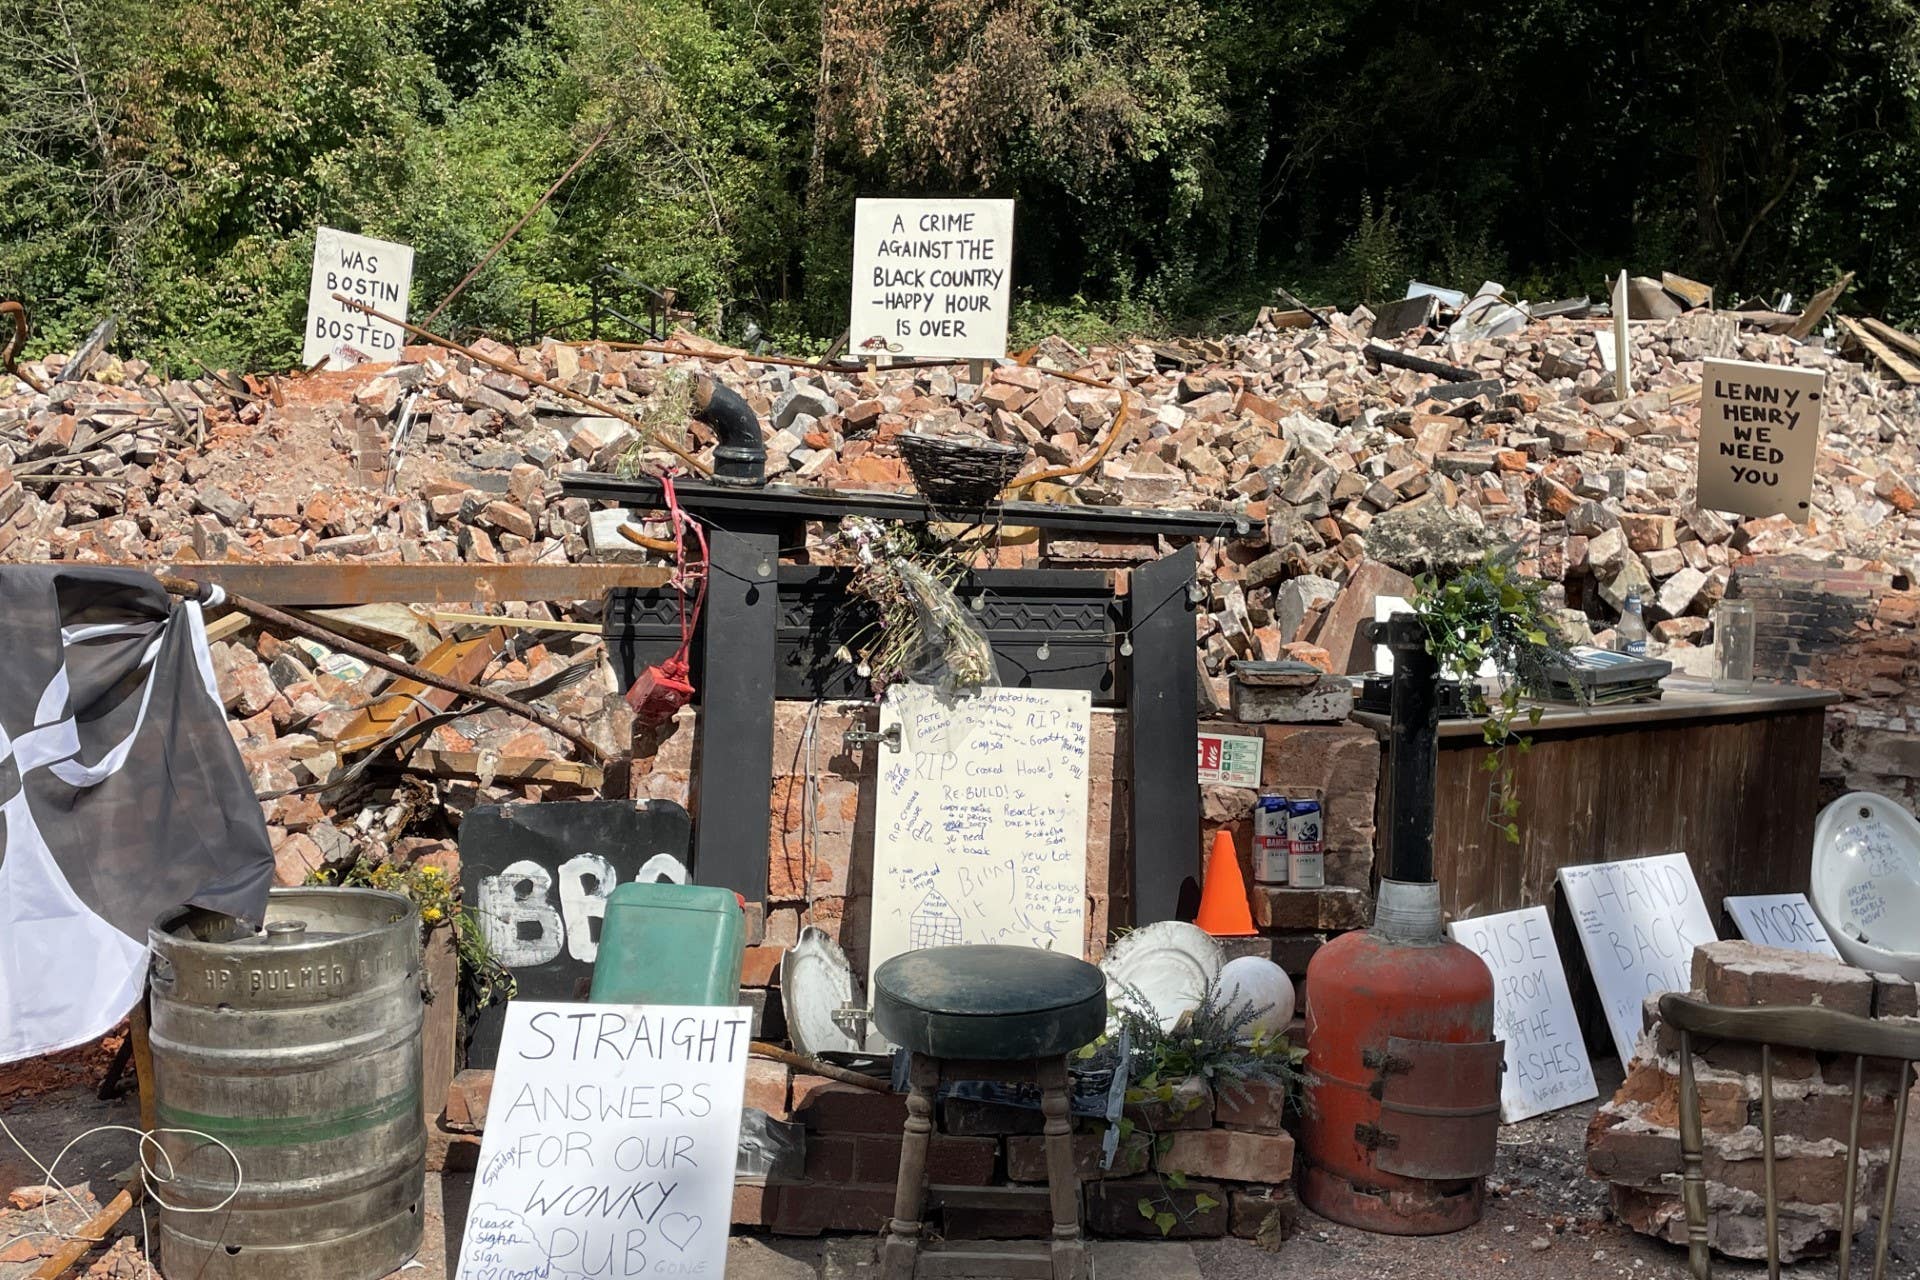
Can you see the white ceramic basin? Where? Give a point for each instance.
(1866, 882)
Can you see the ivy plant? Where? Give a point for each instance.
(1490, 612)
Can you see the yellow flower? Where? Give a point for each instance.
(431, 915)
(431, 873)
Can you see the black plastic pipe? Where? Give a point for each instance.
(1413, 751)
(741, 456)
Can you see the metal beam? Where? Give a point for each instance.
(733, 781)
(643, 493)
(313, 584)
(1162, 716)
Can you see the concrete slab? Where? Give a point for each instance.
(752, 1258)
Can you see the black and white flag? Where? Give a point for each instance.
(122, 795)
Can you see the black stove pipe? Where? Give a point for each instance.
(741, 456)
(1413, 750)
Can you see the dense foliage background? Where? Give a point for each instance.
(167, 161)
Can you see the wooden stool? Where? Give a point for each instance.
(1004, 1014)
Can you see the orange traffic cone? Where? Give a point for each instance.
(1224, 912)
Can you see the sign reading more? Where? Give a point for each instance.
(1547, 1064)
(1759, 432)
(1228, 760)
(1639, 921)
(377, 273)
(931, 278)
(610, 1143)
(1780, 920)
(980, 820)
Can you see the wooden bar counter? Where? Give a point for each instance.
(1732, 780)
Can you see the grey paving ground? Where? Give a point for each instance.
(1545, 1219)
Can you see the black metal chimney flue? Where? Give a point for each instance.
(1413, 750)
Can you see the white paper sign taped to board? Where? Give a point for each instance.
(980, 821)
(1780, 920)
(931, 278)
(610, 1143)
(1547, 1063)
(377, 273)
(1639, 921)
(1759, 433)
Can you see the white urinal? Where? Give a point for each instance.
(1866, 882)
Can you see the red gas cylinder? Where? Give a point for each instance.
(1403, 1074)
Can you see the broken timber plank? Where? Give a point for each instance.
(93, 1232)
(1893, 337)
(1817, 308)
(467, 764)
(319, 585)
(402, 703)
(1902, 368)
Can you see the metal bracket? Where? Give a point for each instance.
(860, 737)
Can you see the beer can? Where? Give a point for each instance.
(1306, 847)
(1272, 824)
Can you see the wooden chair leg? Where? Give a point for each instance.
(1693, 1187)
(901, 1249)
(1063, 1184)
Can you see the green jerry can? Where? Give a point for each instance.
(670, 944)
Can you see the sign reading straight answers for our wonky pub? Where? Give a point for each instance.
(931, 278)
(376, 273)
(1759, 433)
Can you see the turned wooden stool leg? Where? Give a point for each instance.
(1063, 1184)
(902, 1245)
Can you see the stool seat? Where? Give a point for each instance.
(989, 1003)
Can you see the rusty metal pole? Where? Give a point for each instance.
(514, 230)
(398, 666)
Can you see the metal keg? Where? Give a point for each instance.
(299, 1048)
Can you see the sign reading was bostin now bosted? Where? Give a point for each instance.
(931, 278)
(374, 273)
(1759, 434)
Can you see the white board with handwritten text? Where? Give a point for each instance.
(1780, 920)
(980, 820)
(1759, 434)
(931, 278)
(610, 1143)
(375, 273)
(1639, 921)
(1547, 1063)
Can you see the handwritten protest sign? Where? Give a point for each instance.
(980, 826)
(1780, 920)
(1759, 431)
(1639, 921)
(931, 278)
(1547, 1064)
(610, 1143)
(1230, 760)
(375, 272)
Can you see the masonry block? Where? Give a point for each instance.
(1229, 1155)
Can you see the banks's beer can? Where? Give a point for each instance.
(1306, 847)
(1272, 832)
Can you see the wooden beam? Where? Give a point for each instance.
(1822, 301)
(1902, 368)
(93, 1232)
(1893, 337)
(317, 585)
(468, 764)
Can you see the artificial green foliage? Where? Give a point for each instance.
(167, 161)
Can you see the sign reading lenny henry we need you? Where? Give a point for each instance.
(931, 278)
(1759, 432)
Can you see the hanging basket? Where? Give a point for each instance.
(962, 472)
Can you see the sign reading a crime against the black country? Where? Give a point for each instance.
(375, 273)
(931, 278)
(1759, 433)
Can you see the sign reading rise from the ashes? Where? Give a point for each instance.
(931, 278)
(1759, 432)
